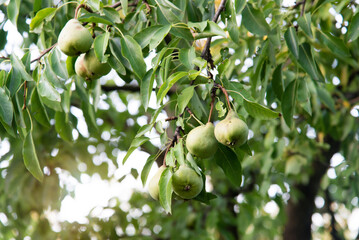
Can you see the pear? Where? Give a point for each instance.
(186, 183)
(74, 38)
(89, 67)
(201, 141)
(153, 187)
(231, 131)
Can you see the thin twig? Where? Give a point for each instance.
(43, 53)
(225, 93)
(84, 6)
(213, 96)
(175, 138)
(303, 8)
(206, 54)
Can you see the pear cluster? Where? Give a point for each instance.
(202, 142)
(76, 40)
(231, 131)
(186, 183)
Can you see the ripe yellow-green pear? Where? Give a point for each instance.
(231, 131)
(89, 67)
(201, 141)
(153, 187)
(186, 183)
(74, 38)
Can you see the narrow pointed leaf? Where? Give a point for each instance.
(228, 161)
(6, 107)
(292, 41)
(166, 190)
(288, 102)
(30, 158)
(132, 51)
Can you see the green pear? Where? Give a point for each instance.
(89, 67)
(74, 38)
(153, 187)
(80, 67)
(186, 183)
(231, 131)
(201, 141)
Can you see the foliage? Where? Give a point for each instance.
(291, 74)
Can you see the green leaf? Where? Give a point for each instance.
(325, 97)
(288, 102)
(30, 158)
(166, 190)
(57, 65)
(353, 31)
(158, 36)
(49, 95)
(134, 145)
(304, 23)
(254, 21)
(258, 111)
(146, 169)
(145, 35)
(193, 163)
(214, 29)
(239, 4)
(166, 86)
(112, 14)
(220, 109)
(133, 53)
(168, 10)
(19, 68)
(178, 152)
(199, 62)
(6, 107)
(147, 88)
(184, 98)
(336, 45)
(228, 161)
(44, 14)
(38, 109)
(291, 39)
(307, 62)
(95, 18)
(13, 10)
(124, 5)
(277, 82)
(62, 126)
(100, 46)
(186, 56)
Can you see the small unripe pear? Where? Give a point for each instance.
(89, 67)
(153, 187)
(80, 67)
(231, 131)
(201, 141)
(74, 38)
(186, 183)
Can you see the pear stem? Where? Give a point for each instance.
(84, 6)
(225, 93)
(213, 96)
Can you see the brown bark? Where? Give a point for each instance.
(299, 213)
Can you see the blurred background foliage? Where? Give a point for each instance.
(298, 59)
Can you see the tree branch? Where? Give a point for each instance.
(129, 88)
(206, 54)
